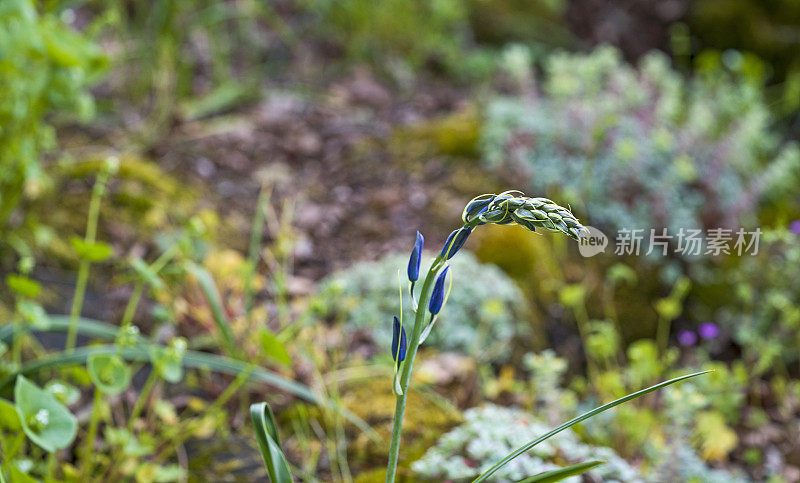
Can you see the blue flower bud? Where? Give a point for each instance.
(457, 238)
(416, 257)
(476, 206)
(437, 297)
(398, 334)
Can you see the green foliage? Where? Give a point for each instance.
(764, 315)
(397, 34)
(45, 69)
(269, 442)
(562, 473)
(109, 373)
(480, 318)
(44, 419)
(643, 147)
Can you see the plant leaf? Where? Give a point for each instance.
(109, 373)
(211, 293)
(268, 441)
(45, 421)
(274, 348)
(23, 285)
(91, 251)
(559, 474)
(587, 415)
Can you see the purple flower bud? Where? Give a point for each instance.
(708, 330)
(794, 227)
(416, 257)
(398, 335)
(437, 297)
(457, 239)
(687, 337)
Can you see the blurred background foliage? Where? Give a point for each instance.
(273, 160)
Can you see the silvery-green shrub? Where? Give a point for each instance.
(642, 146)
(490, 432)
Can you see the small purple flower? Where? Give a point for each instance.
(416, 257)
(708, 330)
(687, 337)
(398, 335)
(437, 296)
(794, 227)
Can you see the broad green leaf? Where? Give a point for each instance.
(557, 475)
(582, 417)
(268, 441)
(109, 373)
(9, 419)
(93, 252)
(45, 421)
(23, 285)
(274, 348)
(16, 475)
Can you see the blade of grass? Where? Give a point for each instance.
(269, 442)
(577, 420)
(255, 244)
(214, 299)
(561, 473)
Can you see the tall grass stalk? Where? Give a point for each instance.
(83, 270)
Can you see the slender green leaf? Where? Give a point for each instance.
(147, 273)
(269, 442)
(211, 293)
(561, 473)
(89, 327)
(577, 420)
(45, 421)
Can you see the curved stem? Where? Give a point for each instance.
(405, 377)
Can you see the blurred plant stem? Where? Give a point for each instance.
(83, 270)
(88, 450)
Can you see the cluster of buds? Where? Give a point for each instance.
(507, 208)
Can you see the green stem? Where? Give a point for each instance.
(88, 450)
(405, 377)
(143, 395)
(83, 270)
(662, 335)
(255, 244)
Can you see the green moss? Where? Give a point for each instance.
(454, 135)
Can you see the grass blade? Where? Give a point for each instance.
(209, 288)
(561, 473)
(270, 444)
(577, 420)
